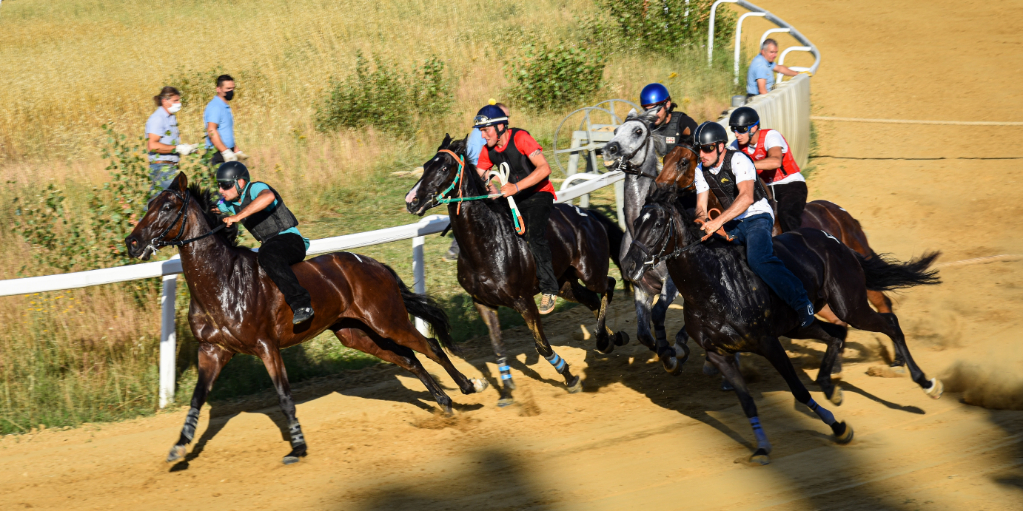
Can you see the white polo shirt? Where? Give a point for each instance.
(773, 139)
(742, 168)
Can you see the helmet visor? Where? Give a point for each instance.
(743, 129)
(482, 121)
(225, 185)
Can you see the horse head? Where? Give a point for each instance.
(635, 145)
(165, 219)
(439, 173)
(662, 229)
(679, 168)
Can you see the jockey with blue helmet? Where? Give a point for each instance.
(675, 127)
(528, 181)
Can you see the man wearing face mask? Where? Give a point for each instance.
(219, 123)
(163, 141)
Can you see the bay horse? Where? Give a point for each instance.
(640, 172)
(680, 171)
(496, 267)
(730, 310)
(236, 308)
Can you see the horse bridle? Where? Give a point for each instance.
(157, 242)
(628, 168)
(668, 236)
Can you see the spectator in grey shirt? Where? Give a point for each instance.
(163, 141)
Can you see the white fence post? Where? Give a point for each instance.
(738, 39)
(168, 340)
(419, 277)
(710, 36)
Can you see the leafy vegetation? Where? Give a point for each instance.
(665, 26)
(548, 77)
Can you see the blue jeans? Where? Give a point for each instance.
(755, 233)
(162, 175)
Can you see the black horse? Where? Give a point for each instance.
(729, 309)
(496, 268)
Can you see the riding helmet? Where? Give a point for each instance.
(743, 116)
(232, 171)
(490, 115)
(710, 133)
(653, 95)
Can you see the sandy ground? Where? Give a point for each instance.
(638, 437)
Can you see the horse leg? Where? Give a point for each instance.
(489, 316)
(405, 335)
(669, 355)
(532, 316)
(883, 304)
(834, 336)
(772, 350)
(212, 359)
(864, 318)
(644, 306)
(271, 357)
(597, 303)
(729, 367)
(401, 356)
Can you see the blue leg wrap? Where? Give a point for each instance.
(558, 363)
(759, 432)
(502, 365)
(821, 412)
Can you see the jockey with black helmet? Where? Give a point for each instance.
(261, 210)
(528, 181)
(774, 162)
(675, 127)
(748, 216)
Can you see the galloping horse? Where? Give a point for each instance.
(680, 171)
(641, 171)
(729, 309)
(496, 268)
(236, 308)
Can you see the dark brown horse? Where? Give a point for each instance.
(236, 308)
(729, 309)
(679, 170)
(496, 267)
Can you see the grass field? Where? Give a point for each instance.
(69, 66)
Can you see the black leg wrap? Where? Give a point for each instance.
(188, 431)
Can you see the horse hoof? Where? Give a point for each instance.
(177, 453)
(479, 384)
(505, 401)
(680, 350)
(726, 386)
(607, 349)
(760, 456)
(709, 369)
(843, 432)
(936, 390)
(672, 366)
(576, 386)
(836, 396)
(621, 338)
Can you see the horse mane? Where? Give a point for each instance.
(669, 196)
(471, 181)
(204, 197)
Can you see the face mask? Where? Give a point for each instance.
(229, 95)
(174, 108)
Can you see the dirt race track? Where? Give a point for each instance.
(638, 438)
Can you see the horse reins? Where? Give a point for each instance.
(158, 242)
(441, 199)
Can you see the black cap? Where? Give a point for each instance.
(743, 116)
(710, 133)
(232, 171)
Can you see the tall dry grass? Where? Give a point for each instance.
(69, 66)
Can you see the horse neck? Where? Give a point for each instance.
(199, 256)
(637, 189)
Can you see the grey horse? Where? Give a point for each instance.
(634, 137)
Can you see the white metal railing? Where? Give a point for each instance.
(170, 269)
(769, 17)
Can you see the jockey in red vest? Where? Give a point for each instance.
(774, 163)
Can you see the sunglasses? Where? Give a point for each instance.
(709, 148)
(741, 129)
(226, 185)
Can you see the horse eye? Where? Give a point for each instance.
(166, 207)
(639, 131)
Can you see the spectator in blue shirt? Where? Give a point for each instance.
(760, 77)
(163, 141)
(219, 123)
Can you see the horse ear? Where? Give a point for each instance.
(180, 182)
(446, 142)
(632, 114)
(650, 116)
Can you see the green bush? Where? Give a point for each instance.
(547, 77)
(660, 26)
(385, 97)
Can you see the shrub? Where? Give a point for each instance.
(547, 77)
(385, 97)
(661, 26)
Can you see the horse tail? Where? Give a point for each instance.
(427, 309)
(885, 273)
(615, 235)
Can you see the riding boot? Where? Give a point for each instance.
(276, 256)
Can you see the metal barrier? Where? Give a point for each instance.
(170, 269)
(769, 17)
